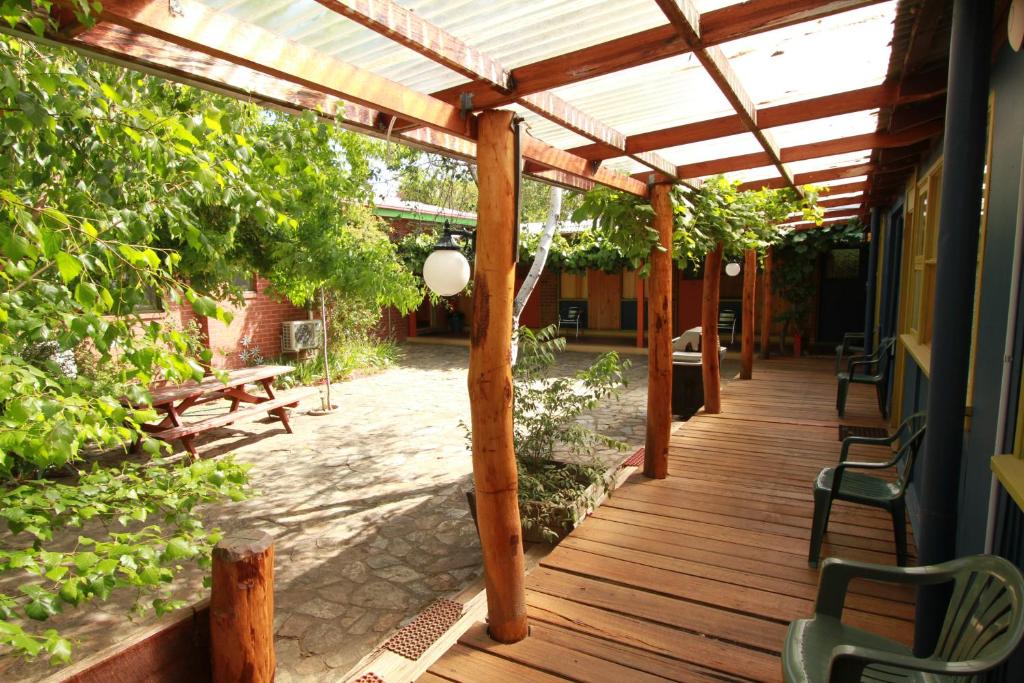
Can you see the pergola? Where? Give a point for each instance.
(632, 94)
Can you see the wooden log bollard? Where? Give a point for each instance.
(242, 609)
(709, 344)
(747, 322)
(766, 304)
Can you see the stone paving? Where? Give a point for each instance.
(367, 507)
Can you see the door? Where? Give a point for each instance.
(843, 295)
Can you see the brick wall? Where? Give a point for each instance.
(259, 319)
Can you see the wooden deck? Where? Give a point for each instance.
(694, 578)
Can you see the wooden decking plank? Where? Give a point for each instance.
(468, 665)
(557, 659)
(743, 663)
(696, 618)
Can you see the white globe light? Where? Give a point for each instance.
(732, 269)
(446, 272)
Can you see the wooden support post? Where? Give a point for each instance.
(709, 345)
(412, 324)
(747, 322)
(490, 381)
(766, 304)
(639, 311)
(659, 340)
(242, 609)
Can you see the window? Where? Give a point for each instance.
(573, 285)
(923, 227)
(244, 281)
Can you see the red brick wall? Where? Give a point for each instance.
(259, 319)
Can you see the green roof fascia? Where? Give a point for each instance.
(420, 216)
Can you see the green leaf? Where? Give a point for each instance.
(69, 266)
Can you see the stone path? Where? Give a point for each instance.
(367, 507)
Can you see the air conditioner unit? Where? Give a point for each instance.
(301, 334)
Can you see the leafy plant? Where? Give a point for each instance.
(547, 414)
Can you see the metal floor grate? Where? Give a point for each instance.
(369, 678)
(870, 432)
(413, 639)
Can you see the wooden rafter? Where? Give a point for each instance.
(813, 177)
(683, 15)
(199, 31)
(409, 29)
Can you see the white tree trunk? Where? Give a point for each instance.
(327, 364)
(541, 258)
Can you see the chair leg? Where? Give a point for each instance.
(822, 507)
(899, 528)
(880, 392)
(841, 391)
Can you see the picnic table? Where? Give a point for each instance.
(174, 400)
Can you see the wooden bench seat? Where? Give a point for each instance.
(275, 406)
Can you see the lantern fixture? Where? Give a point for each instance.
(732, 269)
(446, 270)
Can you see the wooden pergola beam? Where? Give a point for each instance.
(651, 45)
(409, 29)
(683, 15)
(215, 49)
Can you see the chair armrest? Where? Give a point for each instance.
(853, 337)
(866, 465)
(856, 361)
(836, 575)
(849, 661)
(867, 441)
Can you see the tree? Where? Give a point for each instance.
(115, 186)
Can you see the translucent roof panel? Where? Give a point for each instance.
(835, 161)
(717, 148)
(546, 131)
(830, 128)
(666, 93)
(512, 32)
(845, 51)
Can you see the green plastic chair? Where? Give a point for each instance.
(984, 624)
(839, 483)
(853, 342)
(876, 372)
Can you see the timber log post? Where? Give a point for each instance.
(747, 320)
(490, 381)
(242, 609)
(709, 344)
(659, 339)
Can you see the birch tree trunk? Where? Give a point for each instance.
(327, 364)
(543, 248)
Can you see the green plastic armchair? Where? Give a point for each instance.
(843, 482)
(983, 625)
(853, 342)
(876, 367)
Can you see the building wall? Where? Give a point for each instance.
(259, 319)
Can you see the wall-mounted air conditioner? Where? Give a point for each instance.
(301, 334)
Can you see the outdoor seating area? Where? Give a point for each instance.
(528, 310)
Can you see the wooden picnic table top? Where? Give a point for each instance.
(175, 392)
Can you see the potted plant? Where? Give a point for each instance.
(560, 478)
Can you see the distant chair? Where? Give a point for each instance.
(876, 372)
(727, 323)
(839, 483)
(571, 318)
(853, 343)
(983, 625)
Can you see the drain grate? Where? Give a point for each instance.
(413, 639)
(369, 678)
(870, 432)
(635, 460)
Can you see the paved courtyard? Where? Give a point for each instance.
(367, 507)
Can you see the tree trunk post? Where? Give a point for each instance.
(639, 310)
(659, 339)
(242, 609)
(747, 322)
(709, 344)
(490, 382)
(327, 360)
(766, 304)
(412, 324)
